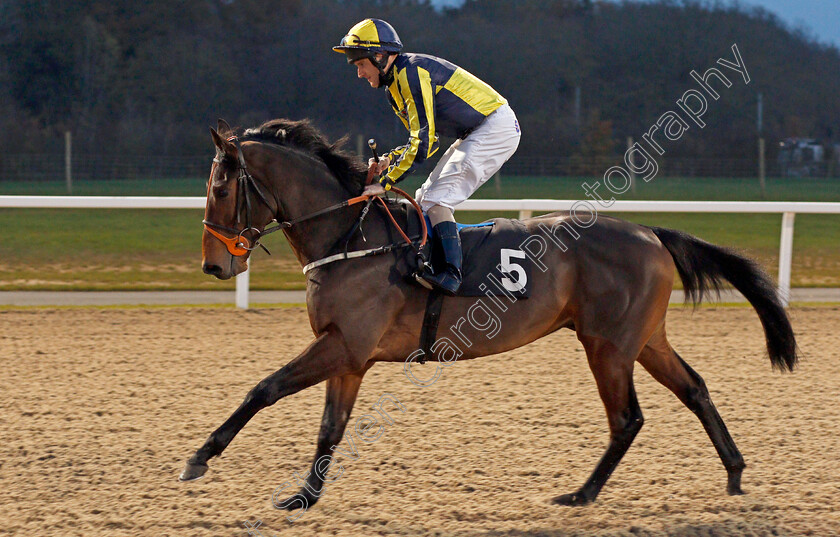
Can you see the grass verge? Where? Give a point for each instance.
(57, 249)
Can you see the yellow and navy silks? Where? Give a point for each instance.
(433, 97)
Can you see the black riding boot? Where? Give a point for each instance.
(448, 279)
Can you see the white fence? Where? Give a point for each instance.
(525, 207)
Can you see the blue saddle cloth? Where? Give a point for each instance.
(431, 232)
(494, 263)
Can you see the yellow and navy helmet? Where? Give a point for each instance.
(369, 37)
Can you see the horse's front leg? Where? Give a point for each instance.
(341, 395)
(325, 357)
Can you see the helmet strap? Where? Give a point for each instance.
(385, 79)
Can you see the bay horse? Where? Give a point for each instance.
(611, 286)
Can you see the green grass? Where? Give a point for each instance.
(161, 249)
(128, 249)
(659, 188)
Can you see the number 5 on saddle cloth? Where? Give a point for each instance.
(494, 262)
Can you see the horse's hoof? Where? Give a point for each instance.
(193, 471)
(734, 491)
(574, 499)
(298, 501)
(302, 500)
(733, 484)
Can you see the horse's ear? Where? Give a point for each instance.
(221, 144)
(223, 127)
(217, 140)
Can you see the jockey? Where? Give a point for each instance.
(433, 97)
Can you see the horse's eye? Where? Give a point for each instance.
(223, 193)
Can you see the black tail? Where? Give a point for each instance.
(702, 266)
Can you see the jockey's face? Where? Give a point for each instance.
(365, 69)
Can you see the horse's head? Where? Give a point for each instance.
(237, 209)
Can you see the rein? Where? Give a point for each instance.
(239, 245)
(382, 249)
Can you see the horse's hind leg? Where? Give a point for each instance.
(341, 395)
(668, 368)
(325, 357)
(613, 372)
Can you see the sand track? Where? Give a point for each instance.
(100, 408)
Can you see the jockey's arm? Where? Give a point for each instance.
(418, 93)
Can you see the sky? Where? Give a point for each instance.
(822, 17)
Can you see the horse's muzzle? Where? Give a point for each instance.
(214, 270)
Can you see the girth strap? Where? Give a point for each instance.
(431, 318)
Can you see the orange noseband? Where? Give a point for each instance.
(237, 246)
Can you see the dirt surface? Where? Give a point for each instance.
(100, 409)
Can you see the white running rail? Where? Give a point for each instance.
(525, 207)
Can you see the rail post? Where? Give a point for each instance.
(68, 161)
(243, 283)
(786, 257)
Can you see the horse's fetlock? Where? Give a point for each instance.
(737, 466)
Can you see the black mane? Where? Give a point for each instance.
(348, 168)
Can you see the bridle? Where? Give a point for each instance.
(239, 245)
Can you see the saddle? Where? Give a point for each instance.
(494, 263)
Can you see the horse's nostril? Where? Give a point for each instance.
(213, 270)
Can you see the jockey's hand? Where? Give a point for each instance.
(373, 189)
(381, 166)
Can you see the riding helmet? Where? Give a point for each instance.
(367, 38)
